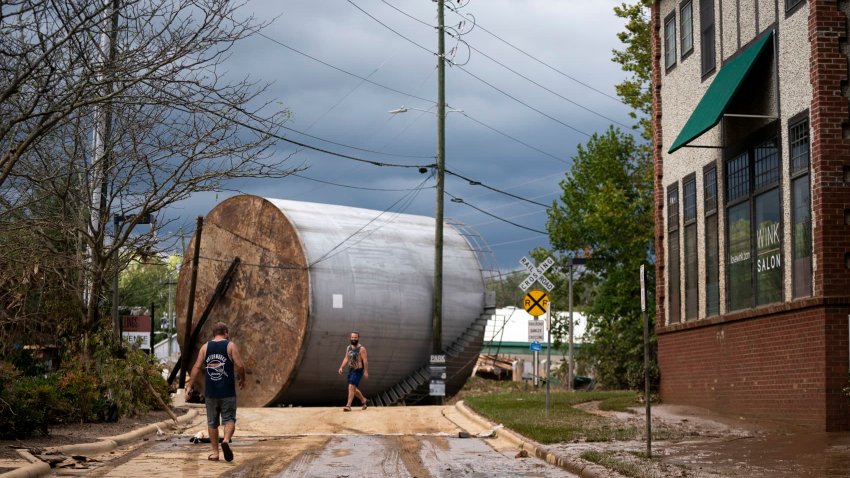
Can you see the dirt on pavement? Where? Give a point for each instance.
(694, 442)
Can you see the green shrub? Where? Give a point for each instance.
(28, 405)
(82, 398)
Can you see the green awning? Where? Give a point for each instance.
(715, 101)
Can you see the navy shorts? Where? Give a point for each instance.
(224, 407)
(354, 376)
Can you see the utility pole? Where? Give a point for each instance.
(437, 323)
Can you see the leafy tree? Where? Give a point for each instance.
(636, 59)
(606, 206)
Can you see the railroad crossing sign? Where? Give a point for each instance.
(535, 302)
(535, 274)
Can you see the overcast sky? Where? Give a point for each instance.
(573, 36)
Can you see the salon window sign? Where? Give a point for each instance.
(768, 247)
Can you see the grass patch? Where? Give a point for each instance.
(611, 461)
(620, 403)
(525, 412)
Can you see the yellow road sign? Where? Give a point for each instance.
(535, 302)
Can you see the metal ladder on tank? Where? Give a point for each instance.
(461, 357)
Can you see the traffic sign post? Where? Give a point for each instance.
(535, 302)
(437, 368)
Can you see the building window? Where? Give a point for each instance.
(791, 5)
(706, 27)
(686, 25)
(670, 41)
(689, 211)
(801, 211)
(673, 259)
(754, 228)
(712, 240)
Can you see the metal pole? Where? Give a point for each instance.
(536, 360)
(548, 350)
(437, 323)
(115, 319)
(647, 397)
(170, 315)
(570, 365)
(186, 353)
(153, 317)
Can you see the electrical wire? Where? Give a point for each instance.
(514, 139)
(357, 187)
(589, 110)
(535, 58)
(391, 29)
(355, 147)
(479, 183)
(474, 75)
(456, 199)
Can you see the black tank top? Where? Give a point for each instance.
(220, 380)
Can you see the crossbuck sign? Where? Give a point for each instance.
(535, 274)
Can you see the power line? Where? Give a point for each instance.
(355, 75)
(479, 183)
(355, 147)
(456, 199)
(390, 28)
(475, 22)
(474, 76)
(357, 187)
(518, 100)
(410, 95)
(589, 110)
(506, 135)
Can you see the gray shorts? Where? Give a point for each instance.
(226, 407)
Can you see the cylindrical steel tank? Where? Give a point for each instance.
(309, 275)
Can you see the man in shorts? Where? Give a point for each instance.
(358, 367)
(223, 367)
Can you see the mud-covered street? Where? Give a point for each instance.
(416, 442)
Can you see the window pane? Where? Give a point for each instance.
(709, 181)
(687, 26)
(670, 41)
(673, 286)
(768, 248)
(690, 197)
(712, 267)
(801, 236)
(691, 273)
(707, 51)
(739, 268)
(673, 207)
(799, 139)
(767, 164)
(738, 177)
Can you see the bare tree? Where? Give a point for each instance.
(115, 108)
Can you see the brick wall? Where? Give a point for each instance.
(784, 365)
(658, 161)
(830, 119)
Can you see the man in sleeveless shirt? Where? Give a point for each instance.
(358, 368)
(223, 368)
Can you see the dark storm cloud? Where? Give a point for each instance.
(574, 36)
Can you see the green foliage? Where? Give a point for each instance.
(143, 284)
(27, 404)
(606, 208)
(81, 397)
(122, 372)
(525, 412)
(636, 59)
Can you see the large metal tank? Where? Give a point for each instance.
(309, 275)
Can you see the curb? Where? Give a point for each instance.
(38, 468)
(575, 465)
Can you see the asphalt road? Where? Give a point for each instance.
(403, 442)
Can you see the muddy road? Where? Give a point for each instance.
(404, 442)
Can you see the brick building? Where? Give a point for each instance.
(752, 192)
